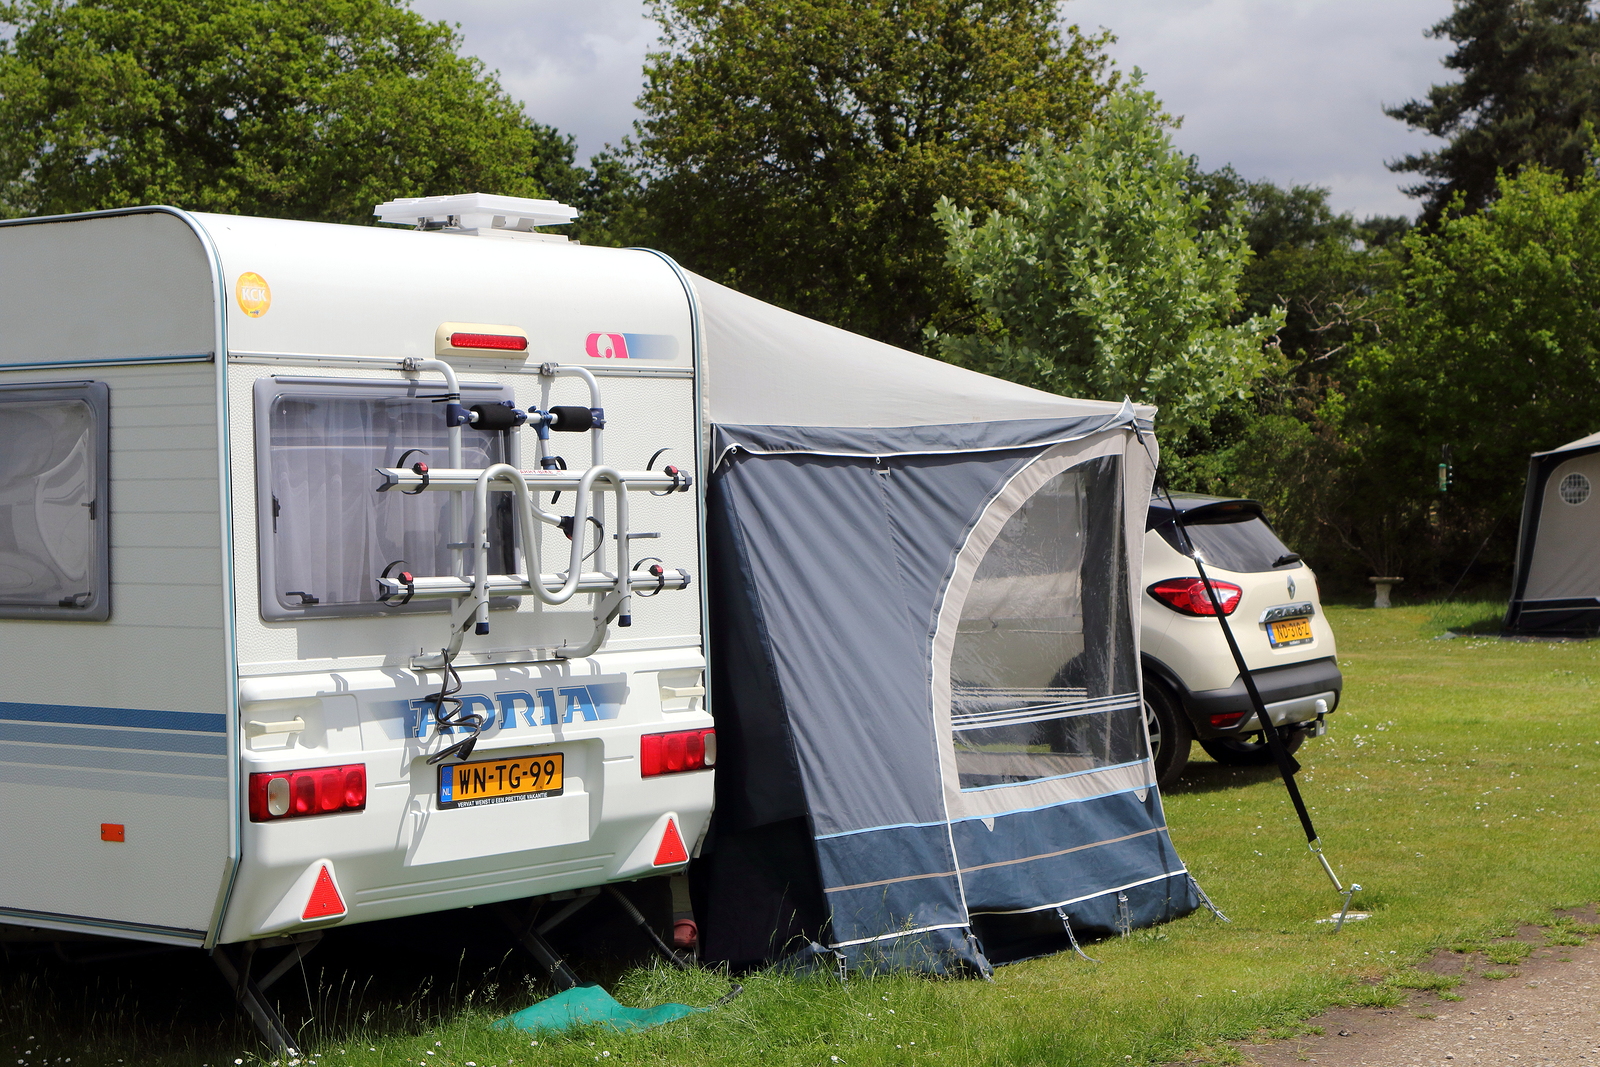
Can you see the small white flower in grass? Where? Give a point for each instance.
(835, 1059)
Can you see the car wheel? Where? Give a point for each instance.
(1170, 733)
(1248, 750)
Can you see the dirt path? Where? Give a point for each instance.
(1546, 1010)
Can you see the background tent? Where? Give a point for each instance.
(924, 655)
(1556, 589)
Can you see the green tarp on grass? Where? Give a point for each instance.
(591, 1004)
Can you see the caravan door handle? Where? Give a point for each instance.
(670, 692)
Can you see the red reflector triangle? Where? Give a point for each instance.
(325, 900)
(671, 850)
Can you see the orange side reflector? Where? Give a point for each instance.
(112, 831)
(671, 850)
(325, 900)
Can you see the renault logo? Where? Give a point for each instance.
(1291, 587)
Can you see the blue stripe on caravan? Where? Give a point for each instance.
(197, 721)
(92, 737)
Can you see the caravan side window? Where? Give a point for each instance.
(1044, 682)
(326, 533)
(54, 462)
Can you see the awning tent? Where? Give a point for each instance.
(1557, 585)
(924, 593)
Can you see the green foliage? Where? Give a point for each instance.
(1496, 354)
(1529, 95)
(274, 107)
(796, 150)
(1097, 281)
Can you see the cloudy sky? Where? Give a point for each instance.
(1290, 90)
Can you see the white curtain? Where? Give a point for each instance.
(332, 532)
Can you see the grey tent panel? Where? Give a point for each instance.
(924, 664)
(1556, 589)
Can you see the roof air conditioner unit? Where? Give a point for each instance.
(479, 214)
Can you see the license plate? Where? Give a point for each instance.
(469, 785)
(1289, 632)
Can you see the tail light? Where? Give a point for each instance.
(1226, 719)
(313, 791)
(1187, 596)
(683, 750)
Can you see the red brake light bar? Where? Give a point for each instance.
(502, 341)
(684, 750)
(1187, 596)
(313, 791)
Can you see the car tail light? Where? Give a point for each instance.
(313, 791)
(1226, 719)
(1187, 596)
(682, 750)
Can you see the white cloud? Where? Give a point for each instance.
(576, 64)
(1290, 90)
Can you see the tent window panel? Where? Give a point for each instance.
(1043, 678)
(54, 552)
(328, 532)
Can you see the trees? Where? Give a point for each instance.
(797, 150)
(1096, 281)
(314, 111)
(1498, 347)
(1529, 94)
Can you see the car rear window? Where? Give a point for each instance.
(1244, 547)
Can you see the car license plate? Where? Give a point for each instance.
(1289, 632)
(469, 785)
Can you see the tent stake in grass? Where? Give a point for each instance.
(1287, 764)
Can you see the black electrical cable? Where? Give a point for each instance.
(445, 720)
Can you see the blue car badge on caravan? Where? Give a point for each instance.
(375, 598)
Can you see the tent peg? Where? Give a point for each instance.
(1062, 915)
(1338, 887)
(1216, 912)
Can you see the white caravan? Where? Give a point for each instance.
(345, 572)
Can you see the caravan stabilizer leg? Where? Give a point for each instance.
(234, 963)
(561, 975)
(640, 921)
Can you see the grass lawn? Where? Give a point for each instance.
(1455, 784)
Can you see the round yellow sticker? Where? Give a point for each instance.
(253, 294)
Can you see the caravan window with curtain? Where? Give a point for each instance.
(326, 532)
(54, 547)
(1043, 677)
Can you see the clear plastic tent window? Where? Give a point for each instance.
(1039, 686)
(331, 533)
(47, 493)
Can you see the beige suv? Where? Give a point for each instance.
(1192, 687)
